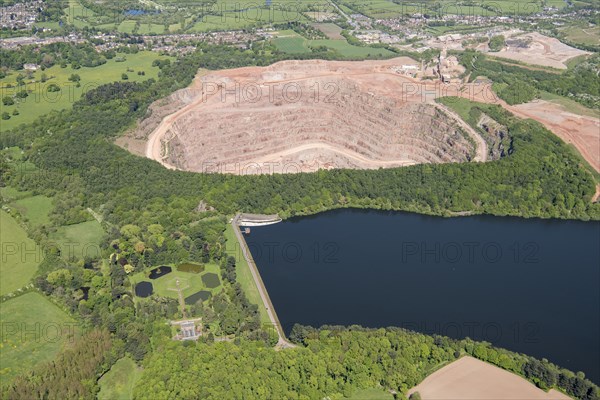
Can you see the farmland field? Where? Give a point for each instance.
(348, 50)
(332, 31)
(20, 255)
(118, 383)
(78, 15)
(127, 26)
(40, 101)
(291, 42)
(48, 329)
(79, 240)
(583, 35)
(389, 9)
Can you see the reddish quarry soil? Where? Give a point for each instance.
(301, 116)
(542, 50)
(582, 131)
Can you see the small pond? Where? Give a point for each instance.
(144, 289)
(160, 271)
(211, 280)
(201, 295)
(190, 267)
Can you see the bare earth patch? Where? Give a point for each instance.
(580, 130)
(535, 48)
(472, 379)
(300, 116)
(583, 131)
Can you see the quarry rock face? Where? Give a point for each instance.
(303, 116)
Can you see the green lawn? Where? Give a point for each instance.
(243, 274)
(348, 50)
(291, 42)
(118, 383)
(371, 394)
(47, 329)
(79, 240)
(40, 101)
(189, 282)
(36, 209)
(330, 29)
(19, 257)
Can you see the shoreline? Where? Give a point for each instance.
(282, 342)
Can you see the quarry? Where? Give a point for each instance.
(302, 116)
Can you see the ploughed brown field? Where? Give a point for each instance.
(470, 379)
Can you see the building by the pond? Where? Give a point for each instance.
(189, 329)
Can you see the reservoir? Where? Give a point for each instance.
(530, 286)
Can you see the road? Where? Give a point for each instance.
(348, 19)
(282, 342)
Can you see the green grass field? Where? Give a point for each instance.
(79, 240)
(189, 282)
(78, 15)
(584, 35)
(291, 42)
(47, 330)
(118, 383)
(20, 256)
(371, 394)
(292, 45)
(148, 27)
(389, 9)
(244, 276)
(36, 209)
(40, 101)
(348, 50)
(127, 26)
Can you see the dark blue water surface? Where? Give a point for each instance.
(531, 286)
